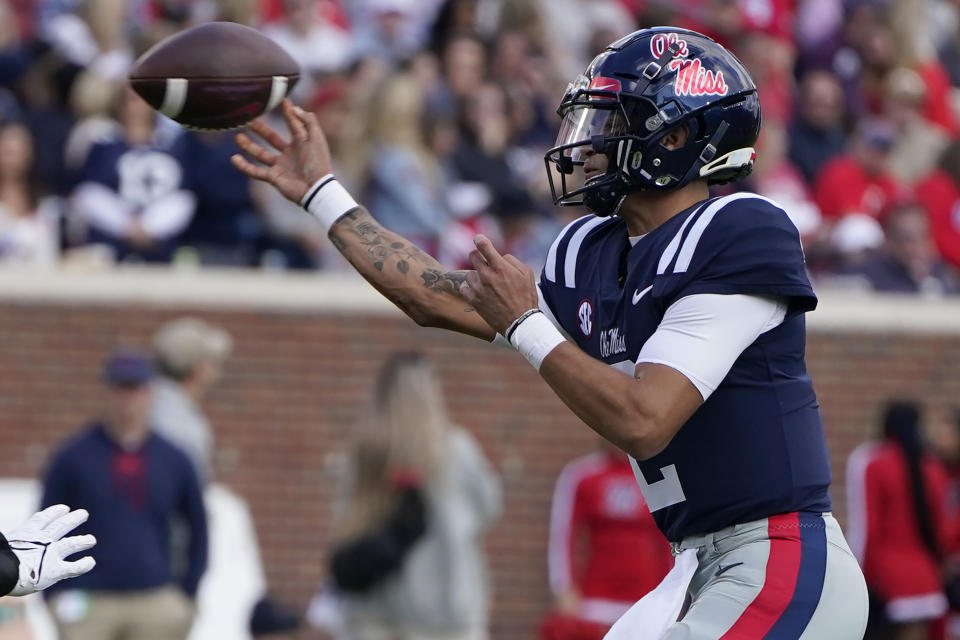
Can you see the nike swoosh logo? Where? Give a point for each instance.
(637, 294)
(721, 569)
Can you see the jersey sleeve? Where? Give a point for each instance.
(740, 244)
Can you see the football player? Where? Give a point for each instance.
(670, 322)
(33, 556)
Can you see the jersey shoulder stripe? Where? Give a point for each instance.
(668, 254)
(696, 231)
(550, 266)
(573, 250)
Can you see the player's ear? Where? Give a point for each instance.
(676, 137)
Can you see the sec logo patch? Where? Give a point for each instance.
(585, 317)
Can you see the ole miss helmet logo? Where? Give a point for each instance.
(662, 41)
(692, 78)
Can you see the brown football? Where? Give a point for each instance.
(218, 75)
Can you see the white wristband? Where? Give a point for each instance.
(535, 337)
(328, 201)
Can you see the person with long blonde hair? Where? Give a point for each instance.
(405, 182)
(421, 488)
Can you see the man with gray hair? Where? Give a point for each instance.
(189, 354)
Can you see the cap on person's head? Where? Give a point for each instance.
(127, 368)
(180, 345)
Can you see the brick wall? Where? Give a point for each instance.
(298, 378)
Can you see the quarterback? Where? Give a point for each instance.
(670, 322)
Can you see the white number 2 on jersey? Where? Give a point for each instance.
(662, 493)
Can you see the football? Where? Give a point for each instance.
(215, 76)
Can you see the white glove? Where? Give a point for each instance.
(41, 548)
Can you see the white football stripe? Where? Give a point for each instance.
(550, 267)
(278, 89)
(174, 98)
(671, 249)
(690, 244)
(570, 261)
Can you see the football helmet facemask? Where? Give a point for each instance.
(632, 95)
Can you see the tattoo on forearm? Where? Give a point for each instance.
(448, 281)
(384, 249)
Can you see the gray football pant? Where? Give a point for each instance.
(788, 577)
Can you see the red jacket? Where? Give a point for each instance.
(603, 540)
(940, 197)
(843, 187)
(884, 534)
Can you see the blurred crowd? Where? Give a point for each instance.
(439, 112)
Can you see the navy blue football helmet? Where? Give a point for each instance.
(634, 93)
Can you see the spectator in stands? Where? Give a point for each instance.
(919, 143)
(318, 46)
(484, 146)
(226, 229)
(939, 193)
(908, 263)
(131, 196)
(464, 69)
(405, 185)
(897, 523)
(409, 553)
(29, 222)
(605, 550)
(573, 24)
(860, 181)
(13, 57)
(134, 483)
(189, 354)
(817, 135)
(387, 30)
(774, 176)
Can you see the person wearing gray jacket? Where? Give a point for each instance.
(439, 588)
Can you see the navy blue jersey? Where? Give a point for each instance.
(756, 447)
(139, 174)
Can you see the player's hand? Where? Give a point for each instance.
(501, 289)
(296, 163)
(40, 546)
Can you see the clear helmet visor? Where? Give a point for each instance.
(582, 123)
(573, 161)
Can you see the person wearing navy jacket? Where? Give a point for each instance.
(135, 484)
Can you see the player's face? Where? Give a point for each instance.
(594, 164)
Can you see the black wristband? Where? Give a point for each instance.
(516, 323)
(9, 567)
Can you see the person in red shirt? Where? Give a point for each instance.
(899, 528)
(859, 181)
(939, 194)
(605, 551)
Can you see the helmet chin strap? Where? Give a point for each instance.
(607, 194)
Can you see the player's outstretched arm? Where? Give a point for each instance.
(407, 276)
